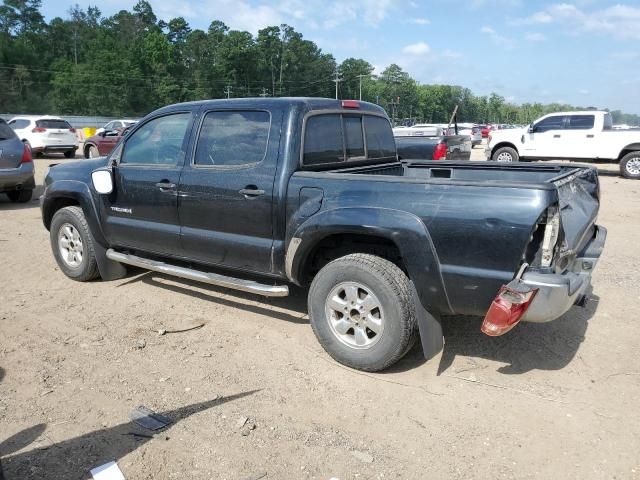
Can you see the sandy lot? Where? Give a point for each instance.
(545, 401)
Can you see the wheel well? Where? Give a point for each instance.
(339, 245)
(56, 205)
(86, 147)
(504, 144)
(628, 149)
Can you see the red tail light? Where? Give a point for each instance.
(440, 152)
(350, 104)
(38, 130)
(26, 155)
(508, 308)
(72, 130)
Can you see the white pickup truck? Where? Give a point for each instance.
(579, 136)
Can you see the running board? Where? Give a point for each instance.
(205, 277)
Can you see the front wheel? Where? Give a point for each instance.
(72, 244)
(630, 165)
(361, 310)
(505, 154)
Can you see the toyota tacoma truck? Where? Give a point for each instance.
(260, 194)
(582, 136)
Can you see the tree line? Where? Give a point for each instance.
(131, 63)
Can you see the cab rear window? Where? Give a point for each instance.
(5, 131)
(53, 124)
(337, 138)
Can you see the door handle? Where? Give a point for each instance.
(590, 136)
(251, 192)
(556, 136)
(166, 185)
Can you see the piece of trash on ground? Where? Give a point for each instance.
(148, 418)
(108, 471)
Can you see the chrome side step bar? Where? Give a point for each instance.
(205, 277)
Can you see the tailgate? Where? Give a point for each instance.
(578, 201)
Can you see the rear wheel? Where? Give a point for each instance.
(630, 165)
(72, 244)
(20, 196)
(505, 154)
(70, 154)
(361, 310)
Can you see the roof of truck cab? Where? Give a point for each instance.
(307, 103)
(578, 112)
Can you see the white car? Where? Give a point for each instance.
(586, 135)
(473, 131)
(115, 125)
(46, 134)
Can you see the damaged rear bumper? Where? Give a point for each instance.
(557, 293)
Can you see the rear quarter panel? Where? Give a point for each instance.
(473, 236)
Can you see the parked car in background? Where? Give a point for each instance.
(432, 142)
(473, 131)
(485, 130)
(102, 143)
(583, 135)
(46, 134)
(116, 124)
(16, 166)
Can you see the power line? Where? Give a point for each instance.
(337, 79)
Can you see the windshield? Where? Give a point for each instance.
(5, 131)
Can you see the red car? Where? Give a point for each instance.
(101, 144)
(486, 130)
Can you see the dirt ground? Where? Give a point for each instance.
(559, 400)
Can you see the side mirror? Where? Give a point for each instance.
(530, 129)
(102, 133)
(102, 180)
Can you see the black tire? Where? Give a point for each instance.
(70, 154)
(630, 165)
(505, 152)
(391, 288)
(20, 196)
(86, 268)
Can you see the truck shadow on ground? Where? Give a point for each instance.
(6, 204)
(529, 346)
(290, 309)
(73, 458)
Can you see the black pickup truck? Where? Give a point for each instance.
(257, 194)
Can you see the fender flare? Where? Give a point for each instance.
(412, 238)
(80, 193)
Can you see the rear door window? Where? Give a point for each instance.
(233, 138)
(19, 124)
(5, 131)
(580, 122)
(48, 123)
(380, 142)
(555, 122)
(323, 140)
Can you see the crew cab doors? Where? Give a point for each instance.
(226, 192)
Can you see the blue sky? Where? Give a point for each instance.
(585, 52)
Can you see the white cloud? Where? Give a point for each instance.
(420, 48)
(500, 40)
(421, 21)
(619, 20)
(535, 37)
(450, 54)
(583, 91)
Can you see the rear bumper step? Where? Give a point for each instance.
(199, 276)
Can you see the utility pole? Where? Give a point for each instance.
(360, 77)
(227, 91)
(394, 104)
(264, 93)
(337, 80)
